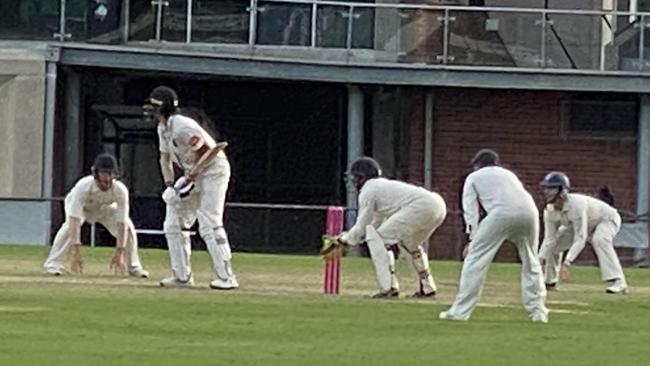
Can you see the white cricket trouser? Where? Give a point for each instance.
(205, 203)
(411, 227)
(602, 240)
(58, 253)
(519, 226)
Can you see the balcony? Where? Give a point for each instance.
(395, 35)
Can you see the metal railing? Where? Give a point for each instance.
(371, 33)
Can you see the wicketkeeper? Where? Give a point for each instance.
(394, 213)
(97, 198)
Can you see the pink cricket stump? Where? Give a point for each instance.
(332, 274)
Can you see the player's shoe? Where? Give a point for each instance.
(551, 286)
(539, 317)
(175, 282)
(424, 295)
(619, 287)
(446, 315)
(54, 272)
(221, 284)
(140, 273)
(388, 294)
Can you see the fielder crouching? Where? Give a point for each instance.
(97, 198)
(572, 219)
(394, 213)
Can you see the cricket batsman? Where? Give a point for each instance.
(572, 219)
(97, 198)
(394, 213)
(199, 194)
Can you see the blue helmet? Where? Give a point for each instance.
(556, 180)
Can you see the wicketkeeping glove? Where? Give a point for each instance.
(332, 247)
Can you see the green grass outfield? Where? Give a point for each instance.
(280, 317)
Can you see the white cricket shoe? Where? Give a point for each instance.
(619, 287)
(446, 315)
(54, 272)
(539, 317)
(220, 284)
(140, 273)
(175, 282)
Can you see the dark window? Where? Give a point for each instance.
(611, 114)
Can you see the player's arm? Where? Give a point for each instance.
(366, 214)
(579, 235)
(550, 236)
(167, 169)
(118, 263)
(205, 156)
(470, 207)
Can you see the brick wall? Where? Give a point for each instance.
(525, 127)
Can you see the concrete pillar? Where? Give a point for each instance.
(643, 169)
(355, 146)
(73, 129)
(428, 139)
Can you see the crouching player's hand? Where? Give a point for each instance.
(333, 246)
(76, 259)
(118, 264)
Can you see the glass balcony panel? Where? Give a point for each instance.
(507, 39)
(332, 27)
(284, 24)
(142, 20)
(174, 21)
(29, 19)
(93, 21)
(220, 21)
(408, 35)
(622, 48)
(575, 41)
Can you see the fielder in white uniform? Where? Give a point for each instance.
(199, 195)
(97, 198)
(393, 212)
(572, 219)
(511, 215)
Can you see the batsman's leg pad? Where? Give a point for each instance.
(179, 247)
(419, 263)
(219, 248)
(381, 258)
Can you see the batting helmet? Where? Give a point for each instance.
(105, 162)
(556, 180)
(365, 167)
(485, 157)
(165, 99)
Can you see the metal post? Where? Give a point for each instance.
(159, 4)
(188, 26)
(641, 41)
(314, 13)
(543, 45)
(445, 37)
(48, 141)
(348, 41)
(252, 23)
(72, 139)
(643, 167)
(428, 139)
(126, 18)
(355, 147)
(61, 35)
